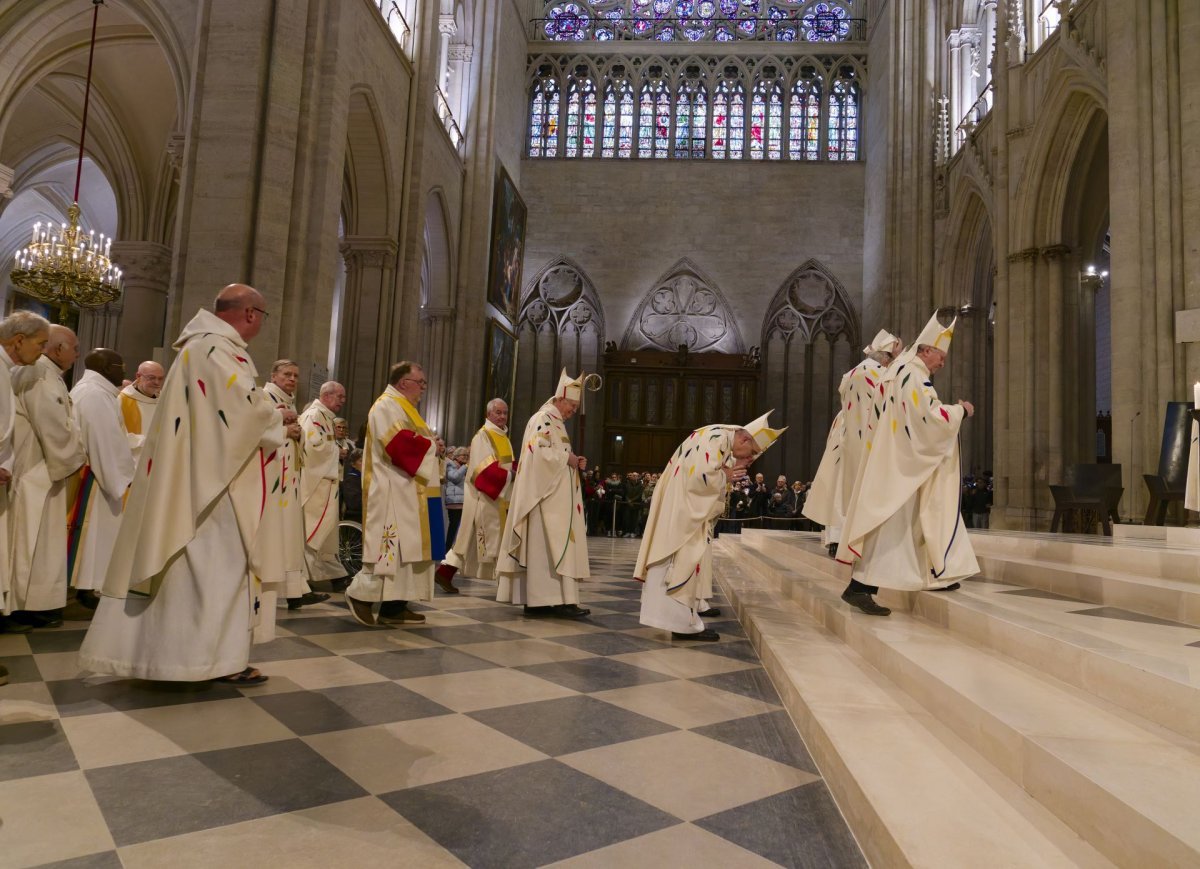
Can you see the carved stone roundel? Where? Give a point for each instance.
(537, 313)
(561, 286)
(811, 294)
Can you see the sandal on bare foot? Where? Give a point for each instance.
(249, 676)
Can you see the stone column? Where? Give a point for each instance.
(1057, 361)
(458, 88)
(437, 356)
(446, 29)
(142, 308)
(370, 283)
(6, 180)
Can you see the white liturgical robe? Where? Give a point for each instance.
(137, 411)
(903, 528)
(485, 503)
(321, 457)
(8, 413)
(47, 451)
(543, 552)
(98, 488)
(179, 599)
(279, 548)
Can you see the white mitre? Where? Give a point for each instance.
(884, 342)
(762, 433)
(568, 388)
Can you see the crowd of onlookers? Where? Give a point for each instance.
(616, 505)
(976, 499)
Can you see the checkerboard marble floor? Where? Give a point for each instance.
(481, 738)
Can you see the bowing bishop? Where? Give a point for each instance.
(845, 447)
(179, 600)
(903, 527)
(485, 501)
(404, 533)
(99, 487)
(320, 483)
(138, 401)
(674, 562)
(543, 550)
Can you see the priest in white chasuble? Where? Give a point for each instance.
(904, 529)
(23, 334)
(485, 501)
(98, 488)
(674, 563)
(543, 549)
(179, 601)
(138, 401)
(279, 559)
(845, 447)
(47, 451)
(404, 532)
(322, 457)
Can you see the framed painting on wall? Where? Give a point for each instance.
(508, 246)
(500, 377)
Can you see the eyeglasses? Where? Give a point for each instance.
(418, 382)
(265, 314)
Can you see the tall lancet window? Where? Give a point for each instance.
(581, 114)
(691, 117)
(543, 114)
(654, 117)
(843, 116)
(618, 115)
(766, 117)
(728, 118)
(804, 116)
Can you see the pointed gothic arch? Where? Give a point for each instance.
(684, 307)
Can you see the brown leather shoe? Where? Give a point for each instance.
(362, 612)
(405, 616)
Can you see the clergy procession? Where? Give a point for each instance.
(184, 507)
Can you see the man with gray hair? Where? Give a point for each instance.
(138, 401)
(22, 337)
(486, 489)
(320, 482)
(48, 450)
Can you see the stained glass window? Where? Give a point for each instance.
(691, 119)
(729, 119)
(543, 115)
(618, 118)
(804, 116)
(581, 114)
(654, 119)
(843, 116)
(701, 20)
(766, 120)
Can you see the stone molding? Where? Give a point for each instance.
(7, 173)
(435, 315)
(1055, 251)
(1026, 255)
(174, 147)
(368, 252)
(462, 52)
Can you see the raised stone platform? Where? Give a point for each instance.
(1045, 714)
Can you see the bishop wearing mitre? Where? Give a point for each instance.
(404, 532)
(903, 527)
(543, 550)
(674, 563)
(846, 447)
(485, 501)
(320, 482)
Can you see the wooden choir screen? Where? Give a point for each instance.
(654, 399)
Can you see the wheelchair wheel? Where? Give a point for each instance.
(350, 546)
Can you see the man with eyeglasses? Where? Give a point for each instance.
(138, 401)
(180, 599)
(404, 535)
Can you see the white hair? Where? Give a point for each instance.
(23, 323)
(329, 386)
(496, 402)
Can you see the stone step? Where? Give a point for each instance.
(1126, 785)
(877, 748)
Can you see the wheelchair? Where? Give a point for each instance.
(350, 546)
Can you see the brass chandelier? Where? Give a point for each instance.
(62, 265)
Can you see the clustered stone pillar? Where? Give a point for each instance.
(437, 356)
(133, 325)
(364, 356)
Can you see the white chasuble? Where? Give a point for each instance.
(829, 498)
(319, 493)
(137, 412)
(404, 532)
(98, 488)
(904, 527)
(278, 556)
(675, 558)
(544, 544)
(8, 413)
(485, 503)
(180, 602)
(47, 451)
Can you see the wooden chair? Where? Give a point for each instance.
(1090, 493)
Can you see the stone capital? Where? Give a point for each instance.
(436, 315)
(368, 251)
(6, 180)
(1027, 255)
(175, 145)
(146, 264)
(1055, 251)
(447, 26)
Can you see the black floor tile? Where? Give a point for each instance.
(102, 860)
(617, 622)
(620, 605)
(589, 675)
(502, 613)
(76, 697)
(55, 641)
(739, 650)
(797, 828)
(176, 795)
(610, 643)
(725, 626)
(754, 683)
(311, 626)
(569, 724)
(21, 668)
(383, 703)
(307, 712)
(772, 735)
(286, 649)
(411, 663)
(526, 815)
(458, 635)
(30, 748)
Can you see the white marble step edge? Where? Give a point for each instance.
(1149, 688)
(877, 748)
(1121, 784)
(1134, 558)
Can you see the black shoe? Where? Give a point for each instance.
(954, 586)
(708, 635)
(538, 612)
(570, 611)
(865, 602)
(44, 619)
(313, 597)
(8, 626)
(392, 609)
(711, 613)
(832, 547)
(340, 585)
(87, 598)
(294, 603)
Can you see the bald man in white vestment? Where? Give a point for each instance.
(320, 482)
(138, 401)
